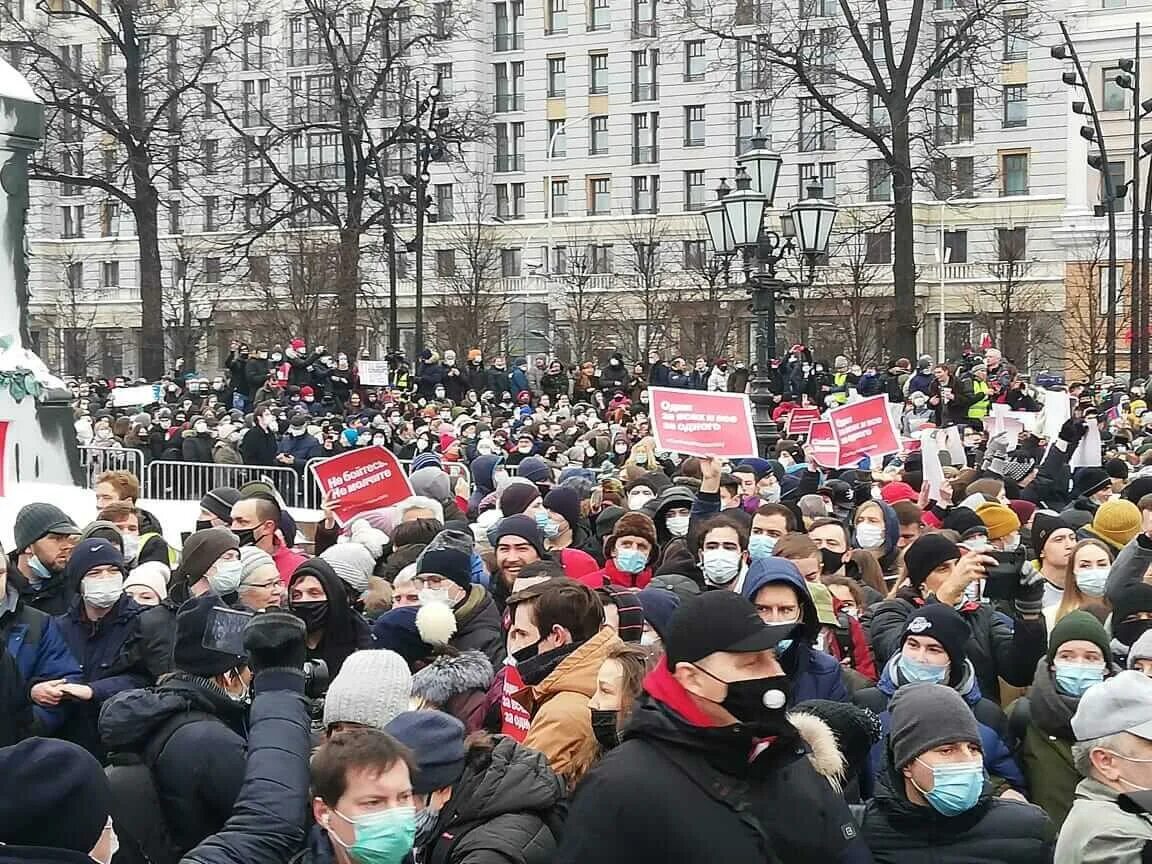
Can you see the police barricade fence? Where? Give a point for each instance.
(96, 460)
(190, 481)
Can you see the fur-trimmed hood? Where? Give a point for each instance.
(824, 754)
(450, 675)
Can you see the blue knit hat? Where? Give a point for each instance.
(437, 740)
(425, 460)
(96, 553)
(396, 631)
(659, 604)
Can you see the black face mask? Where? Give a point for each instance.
(604, 728)
(245, 536)
(1127, 632)
(758, 702)
(314, 613)
(203, 524)
(526, 653)
(831, 562)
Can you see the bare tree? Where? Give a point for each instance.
(586, 306)
(644, 313)
(294, 284)
(190, 303)
(124, 122)
(709, 307)
(1086, 310)
(73, 316)
(887, 73)
(354, 125)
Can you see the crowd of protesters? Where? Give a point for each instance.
(586, 649)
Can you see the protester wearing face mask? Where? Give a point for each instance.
(631, 551)
(876, 529)
(317, 596)
(723, 552)
(645, 488)
(566, 534)
(1113, 753)
(1077, 660)
(443, 575)
(503, 792)
(44, 539)
(673, 513)
(781, 596)
(195, 721)
(713, 707)
(1086, 577)
(770, 523)
(932, 651)
(209, 564)
(260, 443)
(119, 644)
(936, 572)
(298, 446)
(619, 684)
(255, 522)
(932, 803)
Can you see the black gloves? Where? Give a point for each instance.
(1072, 431)
(276, 639)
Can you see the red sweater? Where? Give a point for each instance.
(613, 575)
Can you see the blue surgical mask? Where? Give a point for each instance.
(631, 560)
(770, 495)
(956, 787)
(761, 546)
(1092, 581)
(720, 566)
(544, 522)
(1072, 679)
(915, 671)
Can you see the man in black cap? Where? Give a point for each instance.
(1052, 542)
(444, 573)
(216, 508)
(1091, 487)
(44, 537)
(517, 542)
(710, 768)
(185, 738)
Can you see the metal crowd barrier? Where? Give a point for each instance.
(96, 460)
(190, 481)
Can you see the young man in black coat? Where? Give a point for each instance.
(710, 768)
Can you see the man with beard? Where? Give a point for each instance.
(45, 537)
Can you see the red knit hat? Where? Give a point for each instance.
(296, 344)
(898, 491)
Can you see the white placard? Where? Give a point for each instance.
(373, 372)
(141, 394)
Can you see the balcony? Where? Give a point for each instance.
(645, 155)
(992, 271)
(305, 56)
(644, 29)
(508, 42)
(645, 92)
(510, 102)
(509, 162)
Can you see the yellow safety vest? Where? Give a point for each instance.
(978, 410)
(840, 379)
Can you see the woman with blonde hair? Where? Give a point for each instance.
(1088, 567)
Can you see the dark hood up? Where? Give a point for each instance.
(345, 631)
(511, 778)
(128, 720)
(774, 571)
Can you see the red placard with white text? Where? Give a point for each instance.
(514, 717)
(864, 429)
(360, 480)
(3, 453)
(822, 441)
(800, 420)
(699, 423)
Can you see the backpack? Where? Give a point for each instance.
(136, 806)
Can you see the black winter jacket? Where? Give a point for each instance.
(502, 809)
(479, 626)
(674, 792)
(999, 647)
(54, 596)
(259, 447)
(995, 831)
(345, 631)
(199, 772)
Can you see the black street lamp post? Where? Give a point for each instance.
(736, 225)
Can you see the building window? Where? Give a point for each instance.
(694, 126)
(816, 131)
(259, 269)
(695, 254)
(74, 277)
(510, 260)
(598, 136)
(557, 138)
(255, 33)
(445, 262)
(1115, 96)
(211, 271)
(955, 247)
(1011, 244)
(508, 35)
(878, 247)
(599, 259)
(753, 69)
(211, 148)
(1013, 174)
(819, 8)
(73, 219)
(444, 211)
(209, 91)
(879, 180)
(599, 196)
(175, 226)
(1115, 179)
(557, 20)
(695, 63)
(1015, 105)
(695, 193)
(509, 86)
(1015, 37)
(964, 176)
(751, 116)
(822, 176)
(559, 197)
(444, 80)
(557, 84)
(645, 194)
(644, 72)
(645, 150)
(599, 14)
(643, 19)
(109, 219)
(110, 274)
(211, 206)
(597, 74)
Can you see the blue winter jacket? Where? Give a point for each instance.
(41, 654)
(995, 736)
(301, 447)
(814, 674)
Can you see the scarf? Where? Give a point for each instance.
(1052, 710)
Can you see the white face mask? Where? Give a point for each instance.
(720, 566)
(434, 595)
(131, 543)
(637, 500)
(1012, 543)
(200, 428)
(102, 592)
(677, 525)
(1091, 581)
(227, 577)
(869, 536)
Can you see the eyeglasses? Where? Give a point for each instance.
(270, 584)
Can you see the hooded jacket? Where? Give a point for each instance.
(344, 631)
(995, 738)
(479, 626)
(502, 808)
(482, 469)
(889, 558)
(680, 788)
(995, 831)
(456, 684)
(814, 674)
(199, 772)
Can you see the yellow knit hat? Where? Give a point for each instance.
(999, 518)
(1116, 522)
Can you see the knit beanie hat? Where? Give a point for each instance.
(437, 741)
(1088, 481)
(353, 563)
(37, 520)
(516, 497)
(1117, 469)
(253, 558)
(219, 502)
(102, 529)
(1142, 650)
(431, 483)
(628, 608)
(923, 716)
(658, 605)
(1024, 510)
(371, 688)
(426, 460)
(961, 520)
(201, 550)
(152, 575)
(58, 778)
(449, 562)
(634, 524)
(396, 630)
(925, 554)
(520, 526)
(999, 518)
(606, 521)
(95, 553)
(535, 470)
(188, 651)
(1128, 601)
(1078, 625)
(566, 502)
(1044, 525)
(946, 626)
(898, 491)
(1116, 522)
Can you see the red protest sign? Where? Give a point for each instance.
(822, 442)
(699, 423)
(3, 453)
(361, 479)
(864, 429)
(800, 420)
(514, 717)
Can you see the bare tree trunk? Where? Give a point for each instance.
(904, 236)
(152, 365)
(348, 291)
